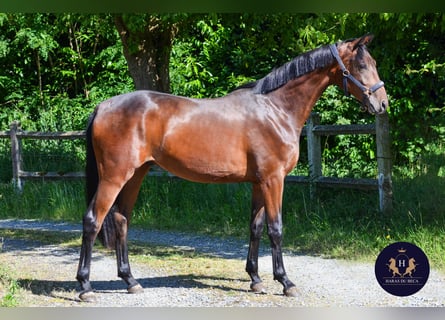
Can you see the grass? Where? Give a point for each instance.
(44, 201)
(8, 288)
(339, 223)
(177, 260)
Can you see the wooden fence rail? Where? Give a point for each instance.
(313, 131)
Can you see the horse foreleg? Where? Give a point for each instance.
(279, 272)
(256, 229)
(273, 193)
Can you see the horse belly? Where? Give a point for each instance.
(206, 157)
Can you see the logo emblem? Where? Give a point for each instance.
(402, 269)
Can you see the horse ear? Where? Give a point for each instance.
(362, 41)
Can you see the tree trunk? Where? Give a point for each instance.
(147, 52)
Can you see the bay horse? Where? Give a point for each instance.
(250, 135)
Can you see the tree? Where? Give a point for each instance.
(409, 50)
(147, 43)
(54, 68)
(27, 32)
(219, 52)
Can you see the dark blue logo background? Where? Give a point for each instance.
(402, 269)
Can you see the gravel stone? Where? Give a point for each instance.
(321, 282)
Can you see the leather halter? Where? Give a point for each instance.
(348, 76)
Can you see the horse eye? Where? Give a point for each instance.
(362, 66)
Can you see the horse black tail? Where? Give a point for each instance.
(107, 234)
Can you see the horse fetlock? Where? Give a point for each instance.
(289, 288)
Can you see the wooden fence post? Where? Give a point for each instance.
(314, 152)
(16, 154)
(384, 164)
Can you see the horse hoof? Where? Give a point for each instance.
(291, 292)
(258, 288)
(87, 296)
(135, 289)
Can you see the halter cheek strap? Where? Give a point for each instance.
(348, 76)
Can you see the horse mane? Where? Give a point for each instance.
(299, 66)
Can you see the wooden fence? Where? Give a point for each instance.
(313, 131)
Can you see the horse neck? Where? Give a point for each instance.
(298, 96)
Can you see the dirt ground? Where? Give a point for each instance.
(46, 277)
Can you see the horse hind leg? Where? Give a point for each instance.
(123, 264)
(125, 203)
(113, 235)
(83, 270)
(120, 201)
(92, 223)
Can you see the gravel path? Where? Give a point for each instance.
(322, 282)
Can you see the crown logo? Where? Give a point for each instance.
(401, 250)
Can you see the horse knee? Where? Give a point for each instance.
(275, 233)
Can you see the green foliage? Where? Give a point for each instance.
(8, 287)
(58, 62)
(54, 70)
(411, 62)
(221, 52)
(57, 201)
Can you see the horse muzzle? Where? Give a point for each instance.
(374, 104)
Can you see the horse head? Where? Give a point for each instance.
(358, 71)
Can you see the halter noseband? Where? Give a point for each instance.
(348, 76)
